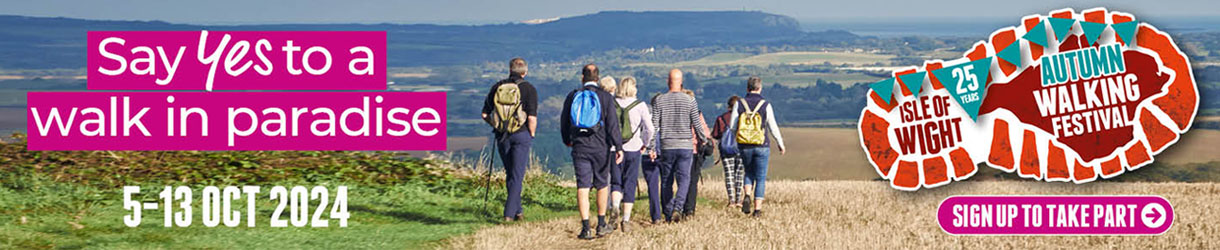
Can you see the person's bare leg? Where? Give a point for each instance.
(616, 198)
(758, 204)
(603, 198)
(582, 202)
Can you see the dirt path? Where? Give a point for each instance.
(864, 215)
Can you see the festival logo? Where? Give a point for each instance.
(1064, 97)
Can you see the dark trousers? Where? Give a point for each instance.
(675, 169)
(652, 176)
(625, 177)
(514, 151)
(696, 170)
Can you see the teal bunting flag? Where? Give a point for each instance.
(1061, 26)
(884, 88)
(1037, 35)
(967, 83)
(1092, 31)
(1011, 54)
(913, 81)
(1125, 31)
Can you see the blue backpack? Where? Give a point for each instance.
(728, 142)
(586, 110)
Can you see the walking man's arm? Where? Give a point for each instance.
(530, 105)
(696, 121)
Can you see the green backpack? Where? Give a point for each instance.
(509, 116)
(624, 119)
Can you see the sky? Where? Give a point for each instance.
(500, 11)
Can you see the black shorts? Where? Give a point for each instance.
(592, 169)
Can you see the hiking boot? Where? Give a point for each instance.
(508, 219)
(613, 215)
(677, 217)
(605, 229)
(519, 217)
(623, 226)
(586, 234)
(747, 205)
(757, 214)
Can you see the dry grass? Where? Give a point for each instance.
(865, 215)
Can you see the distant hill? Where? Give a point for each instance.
(40, 43)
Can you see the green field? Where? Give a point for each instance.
(802, 79)
(797, 58)
(73, 200)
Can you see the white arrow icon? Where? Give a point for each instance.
(1153, 215)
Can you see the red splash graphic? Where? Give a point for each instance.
(1074, 130)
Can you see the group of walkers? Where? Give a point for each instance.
(614, 137)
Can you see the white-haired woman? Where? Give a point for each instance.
(608, 84)
(625, 177)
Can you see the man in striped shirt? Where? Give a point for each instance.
(676, 116)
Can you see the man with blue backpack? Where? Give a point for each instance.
(589, 125)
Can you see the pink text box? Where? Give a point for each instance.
(1070, 215)
(217, 105)
(192, 74)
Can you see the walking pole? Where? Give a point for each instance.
(490, 166)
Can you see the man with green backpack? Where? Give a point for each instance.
(511, 108)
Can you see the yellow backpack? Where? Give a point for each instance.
(750, 125)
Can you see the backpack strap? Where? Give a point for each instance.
(632, 105)
(627, 111)
(517, 81)
(759, 106)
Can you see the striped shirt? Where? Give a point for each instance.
(674, 114)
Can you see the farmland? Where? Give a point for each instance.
(803, 79)
(835, 154)
(1194, 147)
(821, 154)
(788, 58)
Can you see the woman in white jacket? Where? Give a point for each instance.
(625, 177)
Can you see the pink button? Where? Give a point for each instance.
(1055, 215)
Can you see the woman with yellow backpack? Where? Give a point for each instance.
(753, 120)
